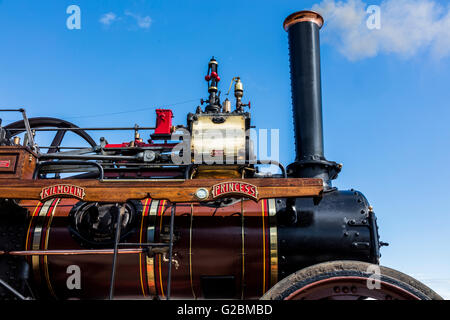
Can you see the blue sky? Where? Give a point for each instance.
(386, 110)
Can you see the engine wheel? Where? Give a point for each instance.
(17, 128)
(349, 280)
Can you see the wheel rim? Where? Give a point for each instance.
(350, 288)
(52, 123)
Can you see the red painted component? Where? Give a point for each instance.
(213, 74)
(137, 143)
(207, 77)
(163, 121)
(119, 145)
(217, 78)
(141, 144)
(5, 163)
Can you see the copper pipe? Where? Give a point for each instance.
(74, 252)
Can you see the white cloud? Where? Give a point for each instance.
(108, 18)
(408, 27)
(143, 22)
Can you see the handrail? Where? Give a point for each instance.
(87, 129)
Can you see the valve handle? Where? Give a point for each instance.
(249, 105)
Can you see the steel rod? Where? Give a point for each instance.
(84, 157)
(9, 110)
(12, 290)
(144, 244)
(116, 248)
(58, 147)
(87, 129)
(28, 129)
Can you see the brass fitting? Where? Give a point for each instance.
(238, 88)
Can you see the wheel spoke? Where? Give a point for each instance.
(57, 141)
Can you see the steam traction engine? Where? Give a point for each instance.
(188, 214)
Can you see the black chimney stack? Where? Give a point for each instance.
(304, 51)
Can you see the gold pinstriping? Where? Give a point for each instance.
(144, 210)
(47, 234)
(159, 260)
(263, 213)
(243, 248)
(151, 238)
(273, 242)
(37, 236)
(190, 250)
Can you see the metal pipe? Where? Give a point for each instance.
(275, 163)
(85, 157)
(86, 129)
(155, 244)
(58, 147)
(74, 252)
(304, 51)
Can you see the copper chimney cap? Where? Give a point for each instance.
(300, 16)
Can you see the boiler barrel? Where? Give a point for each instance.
(238, 250)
